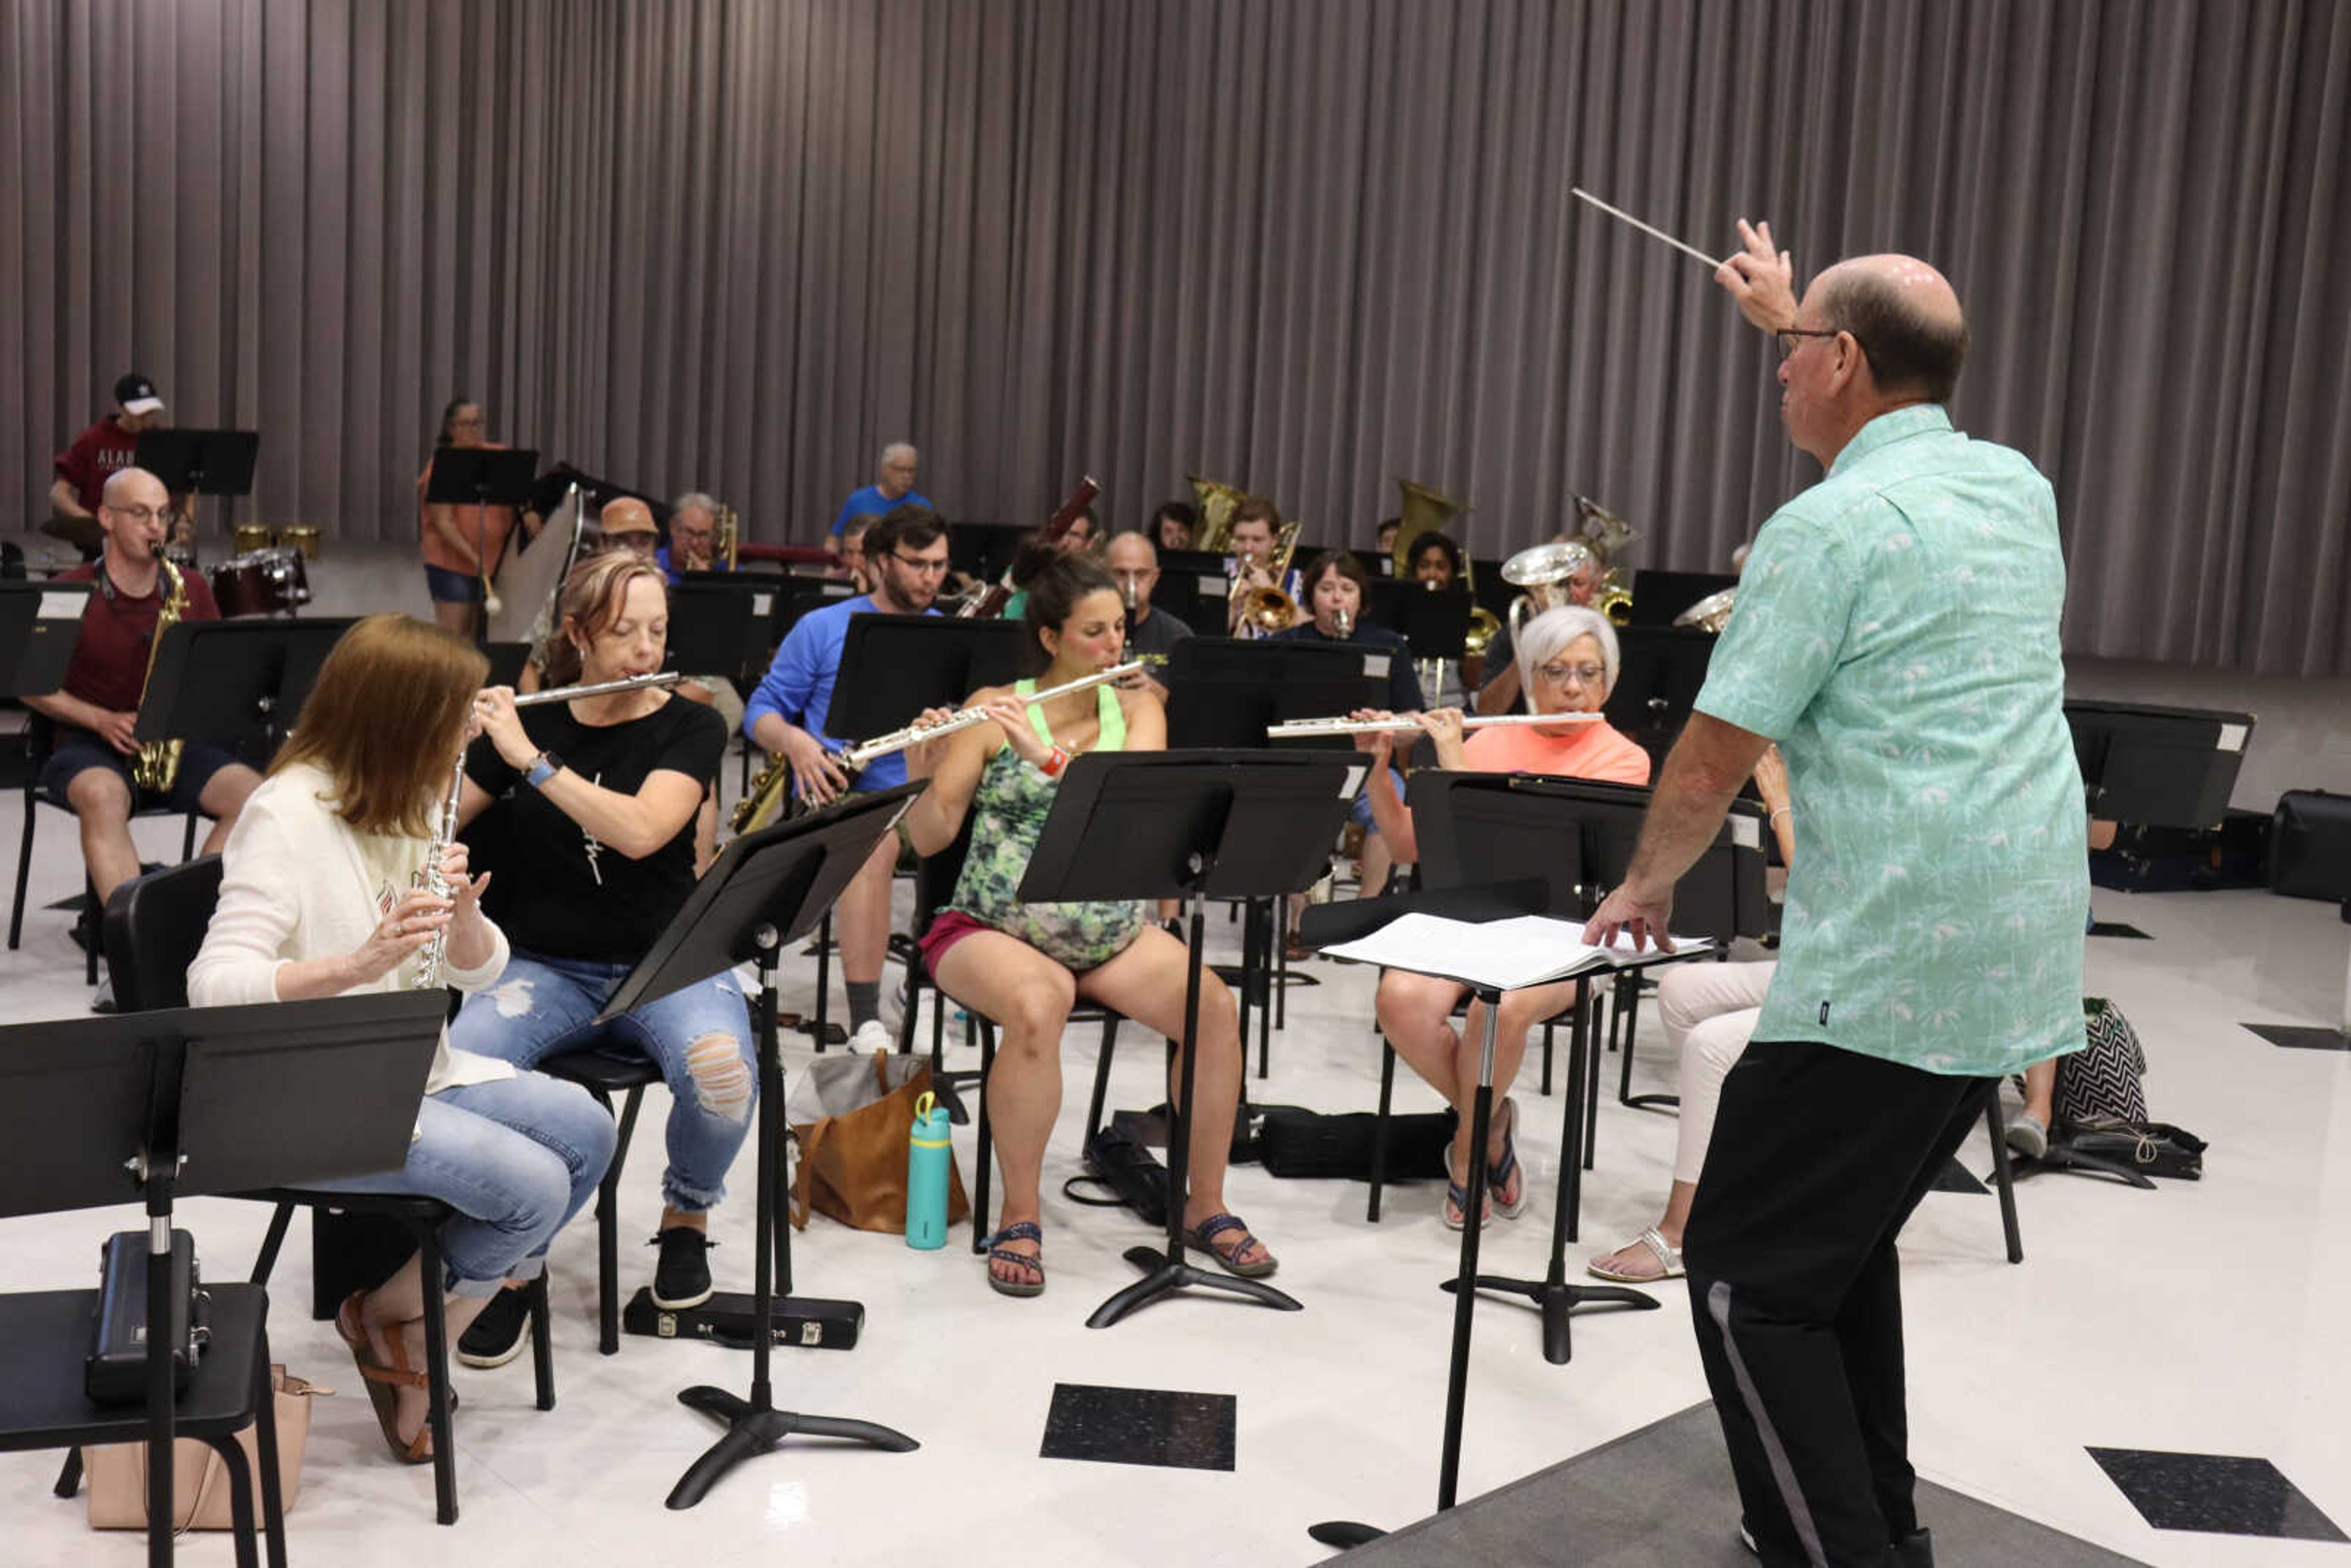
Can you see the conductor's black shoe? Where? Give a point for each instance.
(682, 1277)
(497, 1336)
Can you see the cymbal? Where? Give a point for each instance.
(82, 533)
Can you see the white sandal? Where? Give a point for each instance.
(1669, 1261)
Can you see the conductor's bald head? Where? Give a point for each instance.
(1904, 315)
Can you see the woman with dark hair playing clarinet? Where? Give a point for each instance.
(1026, 965)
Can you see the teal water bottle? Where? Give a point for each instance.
(929, 1157)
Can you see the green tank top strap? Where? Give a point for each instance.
(1108, 714)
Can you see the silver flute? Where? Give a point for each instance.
(444, 827)
(865, 752)
(1308, 728)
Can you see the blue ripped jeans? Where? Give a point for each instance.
(700, 1037)
(516, 1157)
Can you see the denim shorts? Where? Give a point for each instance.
(448, 587)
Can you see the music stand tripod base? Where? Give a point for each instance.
(1167, 1271)
(1552, 1295)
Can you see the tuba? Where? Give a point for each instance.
(1544, 571)
(1268, 609)
(158, 762)
(1216, 500)
(1605, 534)
(1425, 511)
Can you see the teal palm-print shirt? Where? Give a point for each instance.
(1896, 632)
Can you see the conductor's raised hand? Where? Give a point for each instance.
(1761, 278)
(1634, 912)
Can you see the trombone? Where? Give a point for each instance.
(1268, 609)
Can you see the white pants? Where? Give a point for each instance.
(1709, 1011)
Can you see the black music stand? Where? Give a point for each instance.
(764, 890)
(224, 681)
(2158, 766)
(1203, 572)
(894, 667)
(1328, 923)
(1476, 826)
(1659, 596)
(714, 622)
(191, 1102)
(1660, 671)
(1190, 825)
(41, 622)
(483, 477)
(200, 462)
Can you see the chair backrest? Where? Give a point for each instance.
(154, 925)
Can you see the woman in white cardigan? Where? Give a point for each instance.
(323, 894)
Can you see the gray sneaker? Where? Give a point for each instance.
(2027, 1138)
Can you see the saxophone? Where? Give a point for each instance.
(158, 762)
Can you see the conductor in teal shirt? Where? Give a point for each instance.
(1896, 633)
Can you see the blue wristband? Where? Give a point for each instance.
(543, 767)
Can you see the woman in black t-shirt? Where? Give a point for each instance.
(586, 811)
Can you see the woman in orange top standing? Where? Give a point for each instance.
(463, 544)
(1570, 658)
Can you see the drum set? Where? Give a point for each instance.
(266, 575)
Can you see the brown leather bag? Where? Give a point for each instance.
(852, 1162)
(200, 1500)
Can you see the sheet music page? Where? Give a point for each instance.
(1505, 955)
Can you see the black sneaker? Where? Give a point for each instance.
(682, 1277)
(497, 1336)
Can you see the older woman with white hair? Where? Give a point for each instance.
(1569, 657)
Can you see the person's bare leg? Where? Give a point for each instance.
(456, 617)
(1146, 983)
(1029, 997)
(1415, 1013)
(862, 918)
(101, 804)
(1372, 874)
(223, 796)
(2041, 1092)
(396, 1309)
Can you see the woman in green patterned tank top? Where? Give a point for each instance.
(1026, 965)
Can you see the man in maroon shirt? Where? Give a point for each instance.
(105, 448)
(88, 767)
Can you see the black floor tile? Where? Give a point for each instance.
(1140, 1426)
(2117, 928)
(1955, 1179)
(2302, 1037)
(2221, 1494)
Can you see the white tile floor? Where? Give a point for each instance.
(2205, 1316)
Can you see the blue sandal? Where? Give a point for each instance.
(1498, 1174)
(1021, 1230)
(1204, 1235)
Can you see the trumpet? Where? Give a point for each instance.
(1312, 728)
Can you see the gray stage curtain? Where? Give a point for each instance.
(1305, 247)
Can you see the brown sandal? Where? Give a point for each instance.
(380, 1380)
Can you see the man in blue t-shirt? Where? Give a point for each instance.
(894, 484)
(906, 557)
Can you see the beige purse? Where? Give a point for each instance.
(200, 1498)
